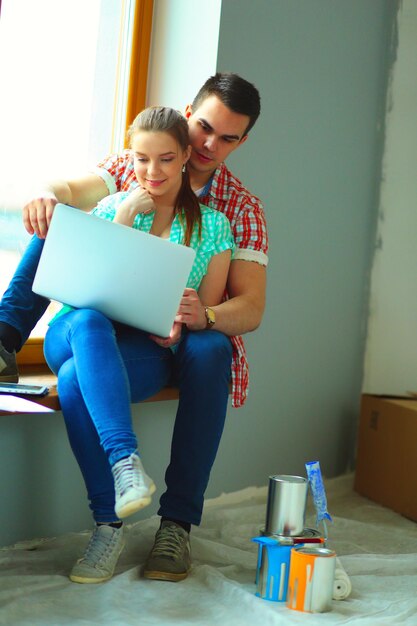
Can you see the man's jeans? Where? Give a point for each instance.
(139, 367)
(20, 307)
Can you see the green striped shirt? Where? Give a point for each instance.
(216, 234)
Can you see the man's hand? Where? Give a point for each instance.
(37, 214)
(82, 193)
(174, 336)
(191, 311)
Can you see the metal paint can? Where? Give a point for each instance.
(286, 506)
(272, 572)
(307, 535)
(273, 569)
(311, 579)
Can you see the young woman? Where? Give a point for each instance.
(99, 363)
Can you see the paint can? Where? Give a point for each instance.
(286, 506)
(273, 569)
(311, 579)
(307, 535)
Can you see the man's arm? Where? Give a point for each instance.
(246, 286)
(83, 193)
(246, 283)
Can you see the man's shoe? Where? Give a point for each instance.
(100, 557)
(170, 557)
(8, 366)
(132, 485)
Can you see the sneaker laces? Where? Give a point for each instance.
(98, 546)
(169, 542)
(126, 475)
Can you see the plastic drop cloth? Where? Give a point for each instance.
(377, 548)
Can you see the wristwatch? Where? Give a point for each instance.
(210, 317)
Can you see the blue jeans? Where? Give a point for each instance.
(20, 307)
(200, 367)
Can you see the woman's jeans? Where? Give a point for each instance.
(200, 368)
(102, 368)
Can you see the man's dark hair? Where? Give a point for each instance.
(235, 92)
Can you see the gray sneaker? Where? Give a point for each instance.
(170, 557)
(100, 557)
(132, 486)
(8, 366)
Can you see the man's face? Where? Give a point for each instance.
(215, 131)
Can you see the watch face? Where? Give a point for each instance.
(211, 317)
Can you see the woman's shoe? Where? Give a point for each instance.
(132, 485)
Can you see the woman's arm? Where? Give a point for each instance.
(212, 286)
(192, 307)
(138, 201)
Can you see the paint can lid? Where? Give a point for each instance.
(307, 533)
(316, 551)
(287, 478)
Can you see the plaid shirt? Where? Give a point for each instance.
(247, 219)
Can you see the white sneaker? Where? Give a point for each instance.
(100, 557)
(132, 485)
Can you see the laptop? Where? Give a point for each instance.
(128, 275)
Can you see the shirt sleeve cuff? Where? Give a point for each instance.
(246, 254)
(107, 178)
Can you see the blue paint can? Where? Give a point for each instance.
(272, 570)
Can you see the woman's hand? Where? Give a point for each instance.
(191, 311)
(37, 213)
(138, 201)
(174, 336)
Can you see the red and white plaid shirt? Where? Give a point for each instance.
(246, 216)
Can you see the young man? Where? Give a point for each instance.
(220, 117)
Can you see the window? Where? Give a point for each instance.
(65, 97)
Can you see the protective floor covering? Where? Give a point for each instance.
(377, 548)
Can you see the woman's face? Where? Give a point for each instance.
(158, 160)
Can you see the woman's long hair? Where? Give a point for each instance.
(167, 120)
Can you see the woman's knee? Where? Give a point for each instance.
(78, 324)
(87, 320)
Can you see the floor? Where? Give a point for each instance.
(377, 548)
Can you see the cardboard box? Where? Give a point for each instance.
(386, 464)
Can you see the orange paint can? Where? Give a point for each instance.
(311, 579)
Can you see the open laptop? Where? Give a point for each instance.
(129, 276)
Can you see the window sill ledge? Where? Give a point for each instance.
(33, 370)
(32, 354)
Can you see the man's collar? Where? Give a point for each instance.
(218, 187)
